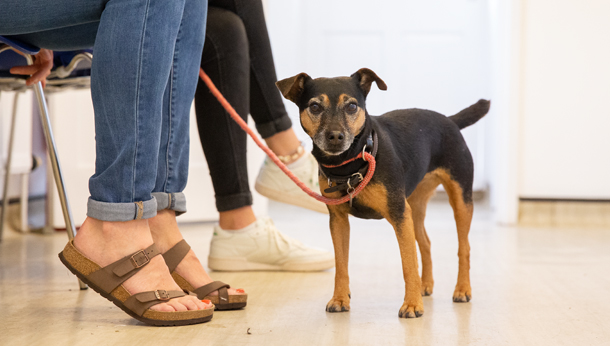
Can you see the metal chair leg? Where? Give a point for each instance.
(7, 170)
(24, 203)
(46, 125)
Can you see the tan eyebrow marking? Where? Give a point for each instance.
(344, 99)
(325, 101)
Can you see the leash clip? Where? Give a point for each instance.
(350, 188)
(350, 192)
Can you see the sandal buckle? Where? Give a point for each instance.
(140, 259)
(162, 295)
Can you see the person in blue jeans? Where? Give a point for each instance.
(143, 79)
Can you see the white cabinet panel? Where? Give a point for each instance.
(565, 140)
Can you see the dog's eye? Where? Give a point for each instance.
(315, 108)
(352, 108)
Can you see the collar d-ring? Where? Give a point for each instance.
(364, 151)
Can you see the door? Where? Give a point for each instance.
(432, 54)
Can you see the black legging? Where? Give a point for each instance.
(237, 57)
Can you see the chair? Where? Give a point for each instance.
(69, 72)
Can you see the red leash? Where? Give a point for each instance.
(332, 201)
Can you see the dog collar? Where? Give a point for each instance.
(349, 182)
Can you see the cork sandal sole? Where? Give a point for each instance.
(82, 267)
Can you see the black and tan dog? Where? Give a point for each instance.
(416, 151)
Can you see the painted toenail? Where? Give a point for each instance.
(207, 301)
(240, 290)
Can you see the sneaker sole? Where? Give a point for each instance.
(281, 196)
(232, 264)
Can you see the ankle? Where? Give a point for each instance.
(283, 143)
(110, 230)
(293, 157)
(164, 229)
(235, 219)
(108, 241)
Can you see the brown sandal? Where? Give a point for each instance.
(108, 281)
(222, 301)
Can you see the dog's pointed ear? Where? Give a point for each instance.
(292, 88)
(365, 77)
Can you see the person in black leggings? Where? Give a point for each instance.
(237, 57)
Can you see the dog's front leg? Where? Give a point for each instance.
(339, 230)
(413, 305)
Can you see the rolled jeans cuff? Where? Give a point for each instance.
(270, 128)
(171, 200)
(234, 201)
(105, 211)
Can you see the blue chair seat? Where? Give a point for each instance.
(21, 46)
(10, 58)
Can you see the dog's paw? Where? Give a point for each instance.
(426, 288)
(462, 294)
(410, 310)
(338, 305)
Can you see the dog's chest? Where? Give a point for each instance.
(362, 211)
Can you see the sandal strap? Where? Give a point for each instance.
(219, 286)
(114, 274)
(140, 302)
(176, 254)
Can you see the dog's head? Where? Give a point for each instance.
(332, 110)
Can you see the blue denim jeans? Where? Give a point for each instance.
(143, 79)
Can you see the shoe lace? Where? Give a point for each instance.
(281, 239)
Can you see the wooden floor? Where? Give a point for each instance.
(530, 287)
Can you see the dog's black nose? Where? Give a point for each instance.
(335, 137)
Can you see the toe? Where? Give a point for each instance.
(200, 305)
(163, 307)
(231, 291)
(178, 306)
(207, 303)
(190, 304)
(195, 301)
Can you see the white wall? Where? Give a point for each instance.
(565, 115)
(503, 120)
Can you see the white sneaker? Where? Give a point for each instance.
(276, 185)
(260, 246)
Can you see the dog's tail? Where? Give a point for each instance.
(471, 115)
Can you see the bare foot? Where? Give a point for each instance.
(166, 234)
(106, 242)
